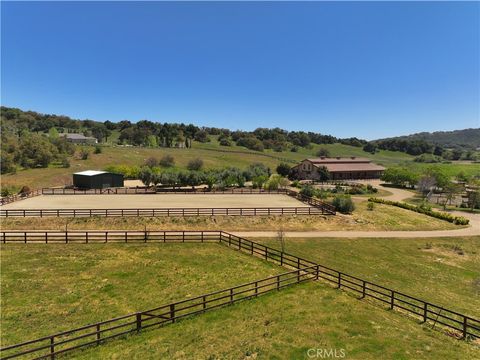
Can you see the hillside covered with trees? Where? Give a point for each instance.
(466, 138)
(34, 140)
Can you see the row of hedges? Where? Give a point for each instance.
(458, 220)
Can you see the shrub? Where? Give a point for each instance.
(307, 190)
(65, 162)
(84, 154)
(258, 181)
(151, 162)
(225, 142)
(146, 175)
(343, 204)
(195, 164)
(428, 158)
(201, 136)
(25, 189)
(323, 152)
(283, 169)
(6, 191)
(167, 161)
(296, 183)
(98, 150)
(458, 220)
(370, 206)
(272, 183)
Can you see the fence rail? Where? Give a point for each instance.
(153, 190)
(464, 326)
(107, 236)
(17, 197)
(457, 324)
(247, 211)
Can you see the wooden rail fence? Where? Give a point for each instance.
(158, 190)
(456, 323)
(17, 197)
(94, 334)
(464, 326)
(247, 211)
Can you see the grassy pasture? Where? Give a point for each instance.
(444, 271)
(285, 325)
(383, 217)
(82, 280)
(50, 288)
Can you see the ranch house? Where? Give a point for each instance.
(340, 168)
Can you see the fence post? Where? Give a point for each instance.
(98, 334)
(172, 312)
(251, 247)
(25, 236)
(52, 347)
(464, 327)
(266, 253)
(204, 298)
(46, 237)
(425, 312)
(298, 263)
(139, 321)
(392, 299)
(339, 280)
(364, 287)
(278, 282)
(256, 288)
(239, 244)
(281, 258)
(231, 295)
(318, 270)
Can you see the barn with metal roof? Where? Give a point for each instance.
(94, 179)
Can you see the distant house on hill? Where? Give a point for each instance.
(340, 168)
(80, 139)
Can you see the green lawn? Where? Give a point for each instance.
(49, 288)
(76, 284)
(285, 325)
(444, 271)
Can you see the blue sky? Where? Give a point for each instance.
(364, 69)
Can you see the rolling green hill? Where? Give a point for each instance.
(468, 138)
(213, 156)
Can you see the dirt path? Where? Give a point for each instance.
(397, 195)
(470, 231)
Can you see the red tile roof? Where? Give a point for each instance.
(338, 160)
(348, 167)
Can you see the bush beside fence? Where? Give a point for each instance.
(458, 220)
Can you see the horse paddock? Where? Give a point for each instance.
(145, 201)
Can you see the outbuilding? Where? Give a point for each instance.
(339, 168)
(93, 179)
